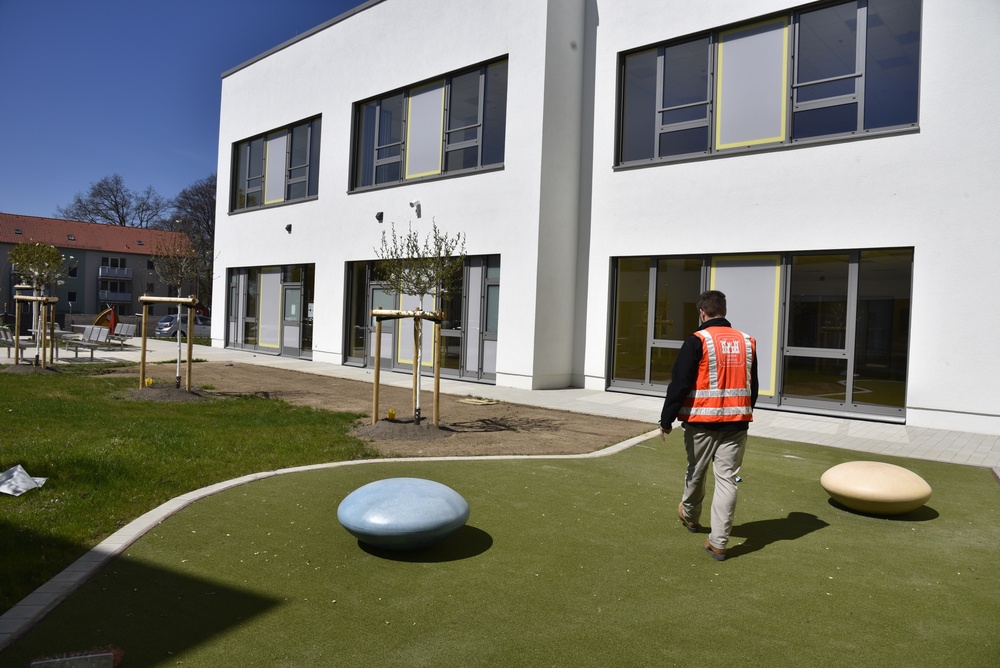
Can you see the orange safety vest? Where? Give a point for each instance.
(722, 391)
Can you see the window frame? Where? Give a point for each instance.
(372, 149)
(792, 88)
(245, 183)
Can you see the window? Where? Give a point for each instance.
(843, 343)
(452, 124)
(116, 262)
(836, 71)
(71, 297)
(277, 167)
(72, 272)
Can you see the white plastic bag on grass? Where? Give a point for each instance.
(16, 481)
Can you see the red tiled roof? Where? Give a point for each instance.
(86, 236)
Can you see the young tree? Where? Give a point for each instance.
(176, 263)
(36, 263)
(421, 269)
(39, 265)
(108, 201)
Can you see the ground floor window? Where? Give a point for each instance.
(270, 309)
(468, 346)
(832, 328)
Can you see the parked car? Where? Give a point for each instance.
(167, 326)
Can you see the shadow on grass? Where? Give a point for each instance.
(465, 543)
(762, 533)
(148, 612)
(921, 514)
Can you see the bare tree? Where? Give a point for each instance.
(194, 215)
(176, 263)
(108, 201)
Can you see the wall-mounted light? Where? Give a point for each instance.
(378, 217)
(415, 205)
(288, 228)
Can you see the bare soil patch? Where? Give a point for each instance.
(467, 426)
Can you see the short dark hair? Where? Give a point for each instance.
(713, 303)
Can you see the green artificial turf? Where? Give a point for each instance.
(564, 562)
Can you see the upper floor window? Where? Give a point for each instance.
(454, 123)
(835, 71)
(279, 166)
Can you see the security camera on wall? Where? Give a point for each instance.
(415, 205)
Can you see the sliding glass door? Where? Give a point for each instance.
(832, 328)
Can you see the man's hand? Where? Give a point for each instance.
(664, 431)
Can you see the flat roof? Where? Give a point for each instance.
(309, 33)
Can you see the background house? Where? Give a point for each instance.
(607, 161)
(107, 265)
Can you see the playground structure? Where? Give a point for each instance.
(107, 318)
(191, 303)
(417, 315)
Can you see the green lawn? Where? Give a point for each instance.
(564, 562)
(110, 459)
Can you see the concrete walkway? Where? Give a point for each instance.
(872, 437)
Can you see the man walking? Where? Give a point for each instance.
(712, 391)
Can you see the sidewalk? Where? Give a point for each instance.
(863, 436)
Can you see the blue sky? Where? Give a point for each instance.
(90, 88)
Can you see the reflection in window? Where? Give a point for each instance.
(661, 365)
(883, 333)
(638, 98)
(730, 89)
(892, 63)
(817, 315)
(678, 284)
(278, 167)
(815, 378)
(492, 308)
(631, 317)
(451, 124)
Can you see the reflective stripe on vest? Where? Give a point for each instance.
(709, 401)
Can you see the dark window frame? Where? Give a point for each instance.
(654, 116)
(379, 154)
(248, 182)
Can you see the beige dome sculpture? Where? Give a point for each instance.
(876, 487)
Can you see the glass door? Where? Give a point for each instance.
(817, 368)
(381, 298)
(291, 320)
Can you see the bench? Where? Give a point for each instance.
(8, 340)
(92, 338)
(123, 332)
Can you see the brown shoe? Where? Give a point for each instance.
(693, 527)
(714, 552)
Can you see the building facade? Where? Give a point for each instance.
(105, 265)
(607, 161)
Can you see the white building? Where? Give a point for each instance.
(824, 164)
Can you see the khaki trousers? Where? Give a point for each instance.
(724, 450)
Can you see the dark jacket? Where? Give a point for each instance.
(685, 374)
